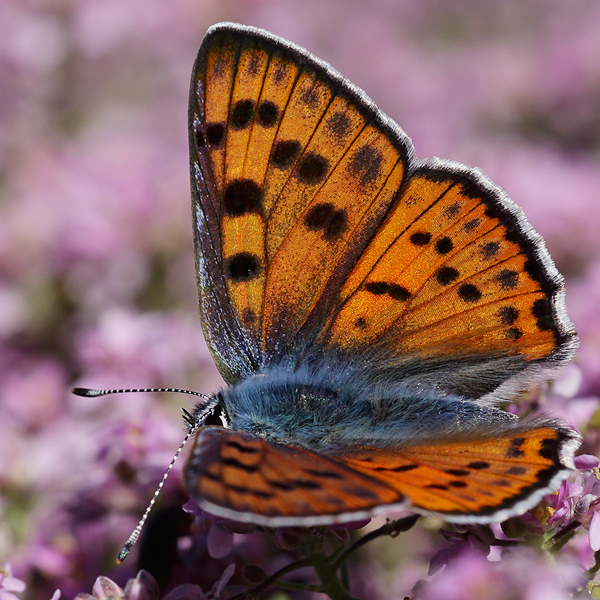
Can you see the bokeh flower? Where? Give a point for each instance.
(9, 584)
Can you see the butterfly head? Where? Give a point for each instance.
(211, 413)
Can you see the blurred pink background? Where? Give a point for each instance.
(96, 262)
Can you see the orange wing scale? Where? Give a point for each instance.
(244, 474)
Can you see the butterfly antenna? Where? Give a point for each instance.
(91, 393)
(193, 423)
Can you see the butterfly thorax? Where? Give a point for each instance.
(325, 412)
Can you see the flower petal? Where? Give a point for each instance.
(585, 462)
(594, 532)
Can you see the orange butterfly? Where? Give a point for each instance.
(368, 311)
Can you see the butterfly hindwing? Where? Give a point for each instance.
(477, 480)
(243, 477)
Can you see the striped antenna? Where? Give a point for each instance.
(91, 393)
(193, 423)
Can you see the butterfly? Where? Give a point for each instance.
(368, 311)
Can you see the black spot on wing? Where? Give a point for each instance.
(364, 493)
(471, 225)
(395, 291)
(398, 292)
(514, 450)
(420, 238)
(242, 267)
(242, 196)
(446, 275)
(215, 134)
(285, 153)
(398, 469)
(444, 245)
(508, 279)
(268, 114)
(457, 472)
(479, 465)
(516, 471)
(312, 168)
(366, 165)
(284, 486)
(318, 216)
(280, 72)
(242, 114)
(323, 474)
(469, 293)
(325, 216)
(451, 211)
(219, 66)
(236, 464)
(500, 482)
(336, 226)
(247, 491)
(458, 484)
(513, 333)
(310, 97)
(490, 249)
(307, 484)
(240, 447)
(508, 315)
(338, 124)
(253, 64)
(377, 287)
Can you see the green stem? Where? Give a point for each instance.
(593, 570)
(299, 564)
(394, 528)
(558, 540)
(327, 567)
(331, 585)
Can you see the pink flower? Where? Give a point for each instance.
(9, 584)
(521, 573)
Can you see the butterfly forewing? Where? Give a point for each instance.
(304, 168)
